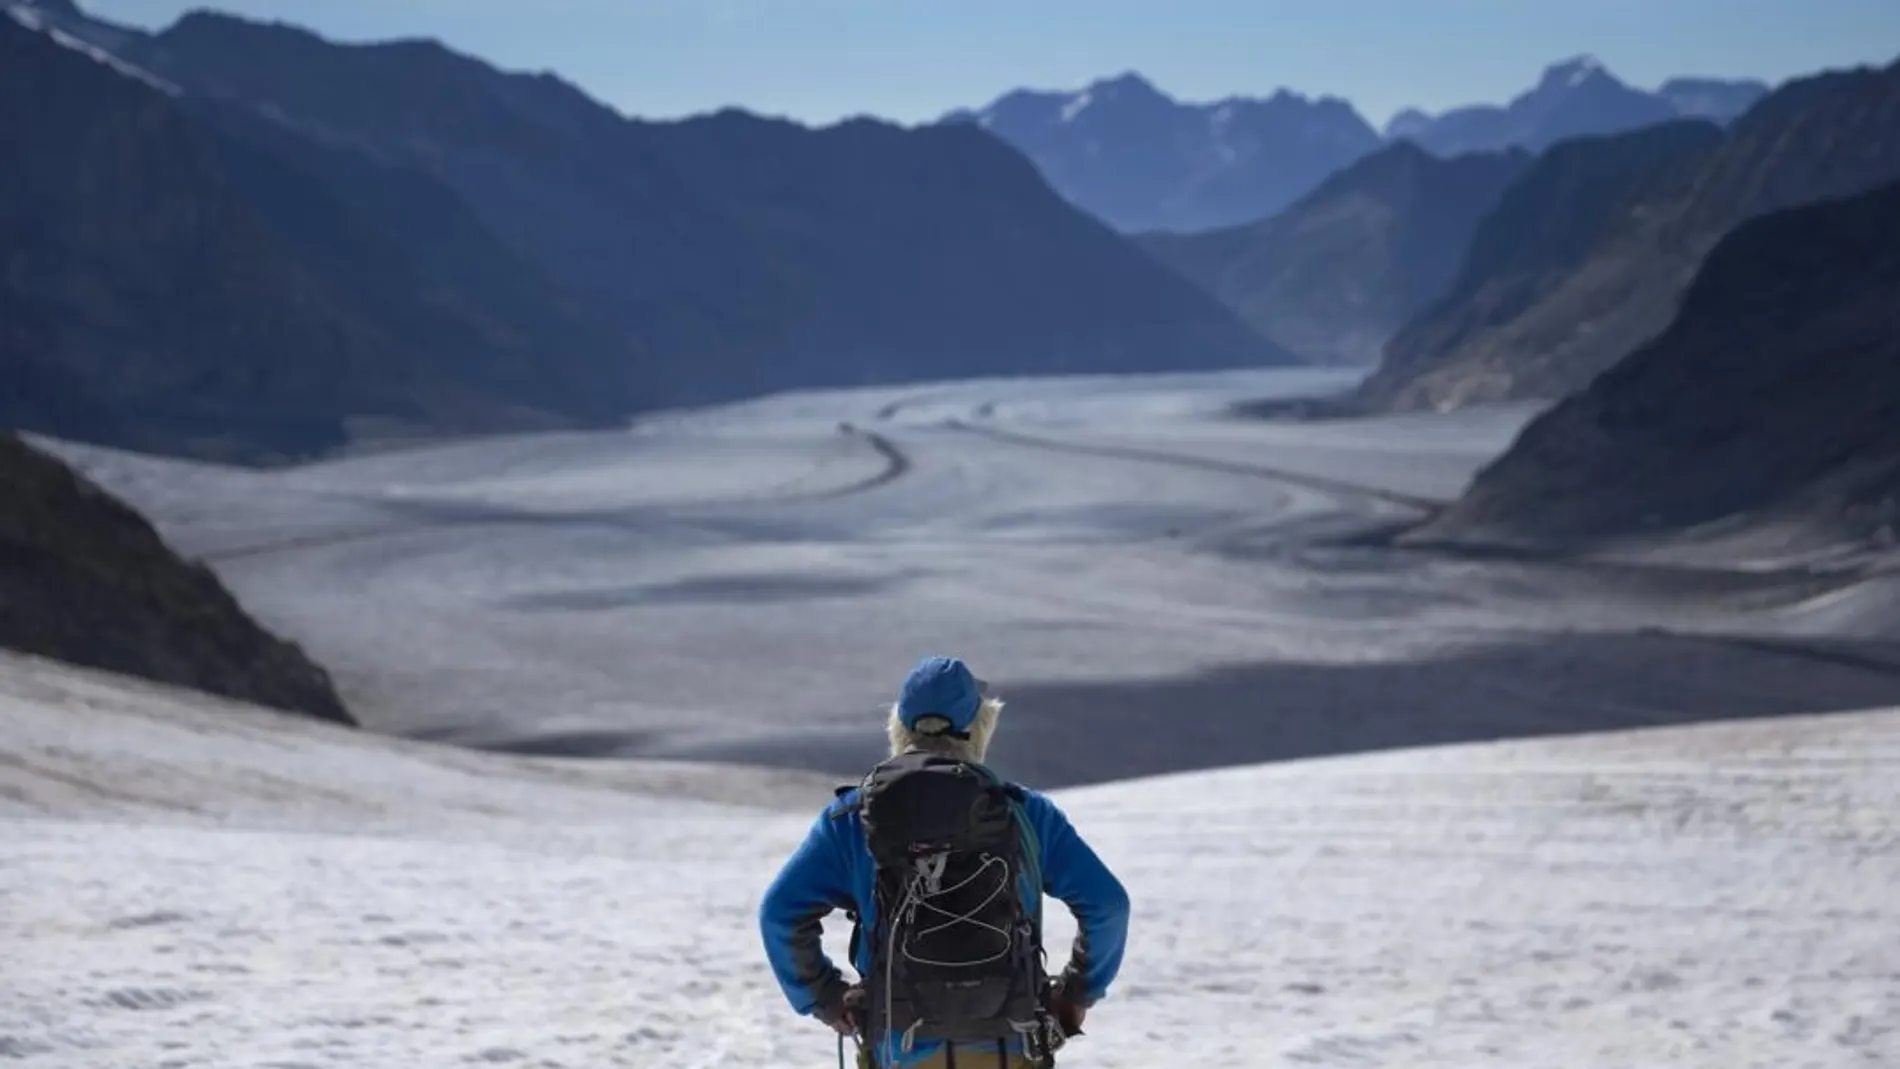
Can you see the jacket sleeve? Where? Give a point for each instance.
(814, 882)
(1073, 873)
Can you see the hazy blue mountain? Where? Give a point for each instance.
(1141, 160)
(1590, 257)
(1574, 98)
(1712, 98)
(1334, 275)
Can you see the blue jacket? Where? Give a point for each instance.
(832, 870)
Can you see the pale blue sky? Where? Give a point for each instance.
(909, 60)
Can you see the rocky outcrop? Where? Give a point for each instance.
(86, 580)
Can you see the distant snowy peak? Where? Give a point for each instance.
(1574, 97)
(1141, 159)
(1130, 92)
(1129, 87)
(1577, 78)
(1107, 99)
(1572, 73)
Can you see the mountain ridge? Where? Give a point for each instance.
(1574, 97)
(1539, 231)
(1145, 161)
(1336, 273)
(166, 313)
(1618, 280)
(1141, 160)
(632, 215)
(499, 250)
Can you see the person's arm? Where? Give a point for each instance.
(1072, 873)
(814, 881)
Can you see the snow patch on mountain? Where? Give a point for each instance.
(67, 33)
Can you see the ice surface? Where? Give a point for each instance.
(749, 581)
(189, 884)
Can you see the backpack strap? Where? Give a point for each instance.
(1026, 831)
(857, 934)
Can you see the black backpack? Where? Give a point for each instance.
(955, 953)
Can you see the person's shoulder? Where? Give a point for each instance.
(1026, 793)
(844, 802)
(1038, 803)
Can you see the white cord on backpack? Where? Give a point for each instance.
(968, 918)
(906, 911)
(890, 974)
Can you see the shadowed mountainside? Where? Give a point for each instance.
(279, 244)
(745, 254)
(149, 303)
(84, 579)
(1541, 230)
(1333, 276)
(1608, 280)
(1775, 393)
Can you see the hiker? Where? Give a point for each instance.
(921, 856)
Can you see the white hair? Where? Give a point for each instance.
(975, 748)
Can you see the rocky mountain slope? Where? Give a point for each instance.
(1774, 394)
(1541, 230)
(85, 579)
(1334, 275)
(172, 290)
(1602, 282)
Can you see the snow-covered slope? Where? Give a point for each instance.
(194, 885)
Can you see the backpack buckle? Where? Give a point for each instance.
(931, 870)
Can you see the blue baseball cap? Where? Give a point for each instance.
(940, 686)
